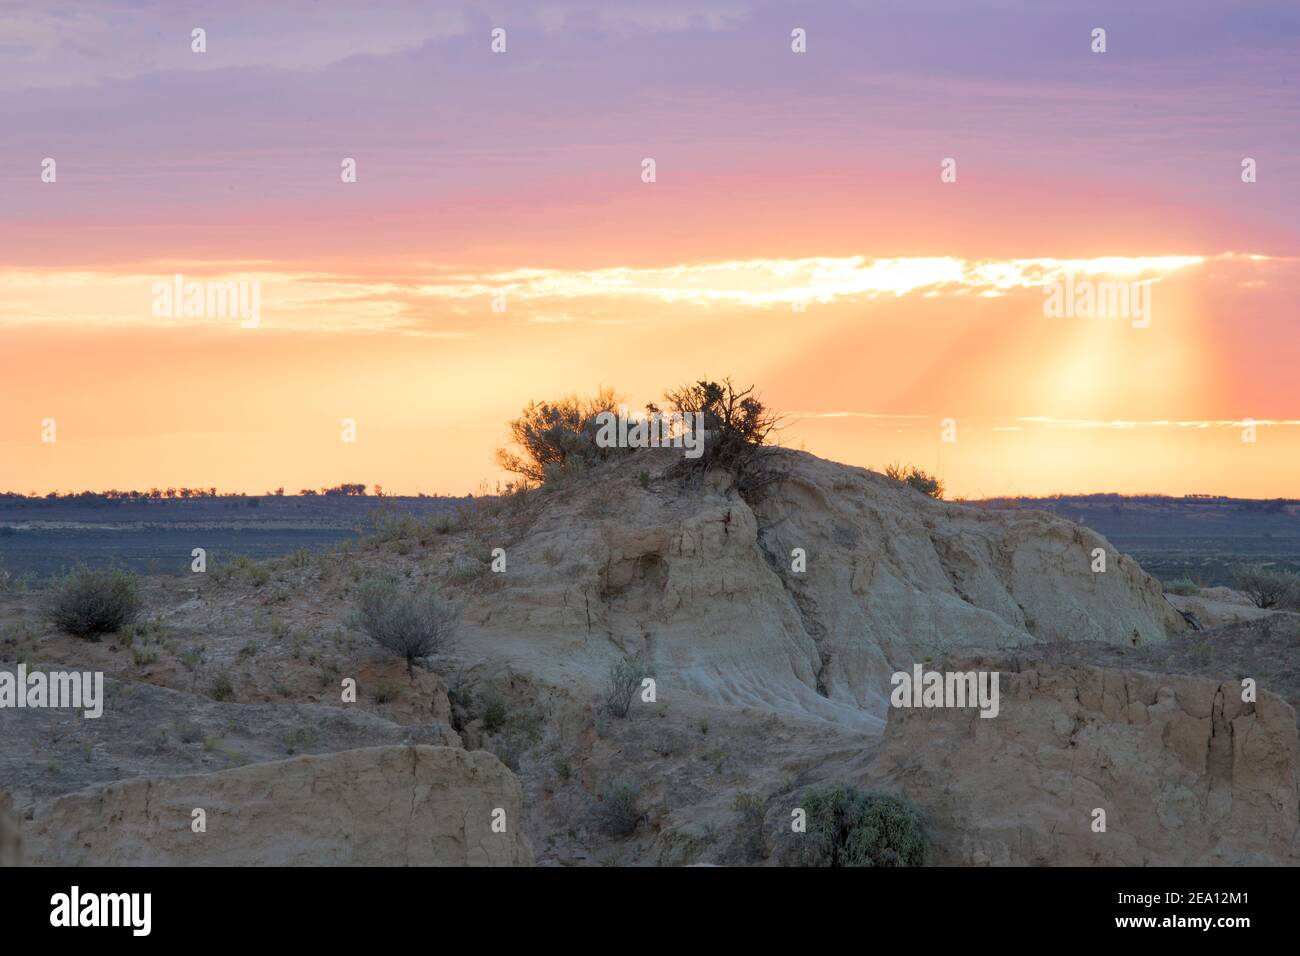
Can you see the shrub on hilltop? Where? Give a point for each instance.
(729, 427)
(554, 439)
(915, 478)
(737, 430)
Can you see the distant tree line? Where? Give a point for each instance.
(348, 489)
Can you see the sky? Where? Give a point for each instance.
(870, 231)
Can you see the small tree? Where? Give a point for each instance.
(1266, 587)
(735, 426)
(89, 603)
(625, 677)
(412, 624)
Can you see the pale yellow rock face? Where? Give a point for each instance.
(703, 586)
(377, 806)
(1186, 772)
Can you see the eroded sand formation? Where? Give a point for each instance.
(769, 679)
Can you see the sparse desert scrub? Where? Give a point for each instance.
(750, 808)
(618, 810)
(625, 677)
(554, 442)
(299, 558)
(239, 568)
(556, 439)
(222, 688)
(494, 713)
(1182, 586)
(915, 478)
(847, 827)
(1268, 588)
(90, 603)
(299, 739)
(466, 568)
(736, 427)
(520, 734)
(402, 530)
(193, 657)
(189, 732)
(392, 527)
(413, 624)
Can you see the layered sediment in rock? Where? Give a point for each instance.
(377, 806)
(805, 602)
(1185, 771)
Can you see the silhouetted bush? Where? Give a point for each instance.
(413, 625)
(89, 603)
(914, 477)
(736, 428)
(558, 439)
(847, 827)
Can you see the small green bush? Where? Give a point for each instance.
(189, 733)
(222, 687)
(1183, 587)
(299, 739)
(618, 811)
(467, 568)
(412, 624)
(847, 827)
(495, 713)
(750, 808)
(89, 603)
(625, 677)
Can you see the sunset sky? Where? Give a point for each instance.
(780, 178)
